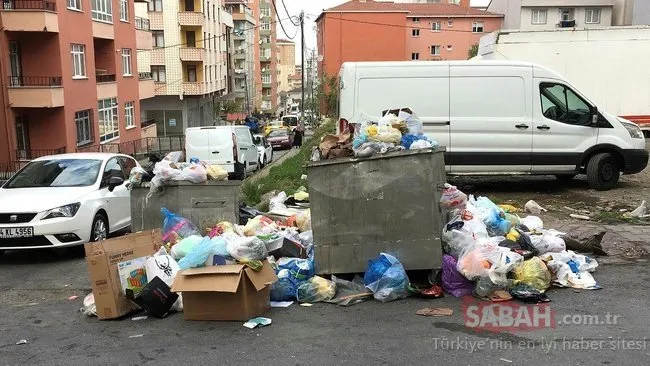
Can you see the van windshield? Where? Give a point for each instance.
(292, 121)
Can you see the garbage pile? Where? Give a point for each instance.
(396, 130)
(495, 255)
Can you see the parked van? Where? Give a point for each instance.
(499, 117)
(291, 121)
(232, 147)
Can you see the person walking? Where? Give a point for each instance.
(297, 137)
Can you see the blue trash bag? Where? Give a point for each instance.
(300, 269)
(291, 272)
(497, 224)
(386, 278)
(174, 224)
(285, 288)
(359, 141)
(199, 254)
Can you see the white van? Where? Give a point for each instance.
(499, 117)
(232, 147)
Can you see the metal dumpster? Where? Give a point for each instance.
(385, 203)
(204, 204)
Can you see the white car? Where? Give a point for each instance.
(65, 200)
(264, 149)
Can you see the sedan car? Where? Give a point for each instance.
(276, 125)
(65, 200)
(264, 149)
(281, 139)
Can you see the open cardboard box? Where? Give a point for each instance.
(229, 292)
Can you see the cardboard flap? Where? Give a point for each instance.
(261, 279)
(231, 268)
(203, 280)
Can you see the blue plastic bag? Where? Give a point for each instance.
(176, 225)
(199, 254)
(386, 278)
(285, 288)
(291, 272)
(496, 223)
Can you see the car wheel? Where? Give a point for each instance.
(99, 229)
(602, 172)
(565, 177)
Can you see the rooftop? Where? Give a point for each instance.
(412, 10)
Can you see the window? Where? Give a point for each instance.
(450, 23)
(416, 20)
(539, 16)
(191, 73)
(112, 169)
(124, 10)
(74, 4)
(265, 12)
(189, 5)
(78, 52)
(190, 39)
(266, 78)
(102, 10)
(415, 32)
(127, 165)
(592, 16)
(155, 5)
(266, 25)
(435, 26)
(129, 114)
(158, 38)
(566, 15)
(477, 27)
(108, 121)
(84, 127)
(415, 56)
(126, 62)
(158, 73)
(450, 48)
(435, 50)
(561, 104)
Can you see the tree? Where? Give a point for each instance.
(473, 51)
(225, 108)
(327, 94)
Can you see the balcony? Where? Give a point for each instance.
(103, 30)
(196, 54)
(146, 85)
(106, 86)
(156, 20)
(239, 55)
(160, 88)
(29, 16)
(35, 91)
(567, 24)
(157, 56)
(191, 19)
(193, 88)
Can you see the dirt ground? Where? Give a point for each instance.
(564, 198)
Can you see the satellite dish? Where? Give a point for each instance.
(320, 58)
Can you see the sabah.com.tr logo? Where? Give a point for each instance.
(506, 316)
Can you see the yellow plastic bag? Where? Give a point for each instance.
(389, 134)
(372, 131)
(303, 221)
(533, 272)
(301, 196)
(513, 235)
(509, 208)
(216, 172)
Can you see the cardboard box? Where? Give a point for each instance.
(288, 248)
(103, 258)
(230, 292)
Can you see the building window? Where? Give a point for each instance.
(78, 52)
(266, 78)
(415, 32)
(191, 73)
(592, 16)
(102, 10)
(265, 12)
(74, 4)
(450, 48)
(415, 56)
(435, 50)
(108, 121)
(477, 27)
(129, 114)
(155, 5)
(450, 23)
(158, 74)
(158, 38)
(266, 25)
(124, 10)
(416, 20)
(126, 62)
(435, 26)
(566, 15)
(84, 127)
(539, 16)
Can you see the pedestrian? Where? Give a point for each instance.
(297, 137)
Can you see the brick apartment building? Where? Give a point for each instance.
(69, 76)
(365, 30)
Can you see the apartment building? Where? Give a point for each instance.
(268, 57)
(189, 63)
(68, 76)
(365, 30)
(144, 44)
(286, 63)
(245, 64)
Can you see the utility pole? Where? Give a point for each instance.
(302, 58)
(248, 104)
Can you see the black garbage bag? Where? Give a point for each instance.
(246, 213)
(528, 294)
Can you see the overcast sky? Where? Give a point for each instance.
(312, 9)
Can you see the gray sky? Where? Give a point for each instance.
(312, 9)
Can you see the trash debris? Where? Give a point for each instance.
(316, 289)
(281, 304)
(136, 336)
(143, 317)
(580, 217)
(89, 308)
(22, 341)
(528, 294)
(638, 212)
(435, 312)
(533, 223)
(505, 360)
(156, 298)
(452, 198)
(534, 208)
(533, 272)
(306, 304)
(572, 270)
(592, 244)
(176, 228)
(73, 297)
(386, 278)
(452, 281)
(257, 322)
(431, 292)
(509, 208)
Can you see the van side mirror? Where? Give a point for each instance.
(594, 115)
(114, 182)
(257, 140)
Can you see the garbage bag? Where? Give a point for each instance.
(260, 225)
(452, 197)
(247, 248)
(349, 292)
(388, 134)
(316, 289)
(174, 156)
(303, 221)
(357, 142)
(533, 223)
(550, 241)
(306, 238)
(166, 268)
(277, 202)
(533, 272)
(386, 278)
(452, 281)
(180, 249)
(175, 227)
(216, 172)
(528, 294)
(422, 144)
(89, 308)
(195, 173)
(285, 288)
(300, 269)
(488, 259)
(222, 228)
(136, 176)
(198, 255)
(497, 223)
(570, 269)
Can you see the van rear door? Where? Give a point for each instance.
(221, 148)
(197, 144)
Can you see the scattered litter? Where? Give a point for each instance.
(257, 322)
(22, 341)
(504, 360)
(534, 208)
(303, 177)
(29, 304)
(136, 336)
(569, 208)
(592, 244)
(68, 285)
(580, 217)
(306, 304)
(89, 308)
(638, 212)
(136, 318)
(281, 304)
(435, 312)
(73, 297)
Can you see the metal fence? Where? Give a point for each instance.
(141, 148)
(37, 153)
(29, 5)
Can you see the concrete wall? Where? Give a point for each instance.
(189, 112)
(641, 12)
(511, 9)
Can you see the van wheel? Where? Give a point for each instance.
(602, 172)
(565, 177)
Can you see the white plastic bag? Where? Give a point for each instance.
(488, 259)
(164, 267)
(247, 248)
(195, 173)
(533, 223)
(572, 270)
(421, 144)
(174, 157)
(549, 242)
(277, 202)
(452, 197)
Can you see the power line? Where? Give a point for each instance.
(407, 26)
(287, 11)
(277, 14)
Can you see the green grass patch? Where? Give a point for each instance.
(286, 175)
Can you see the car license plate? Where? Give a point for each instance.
(16, 232)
